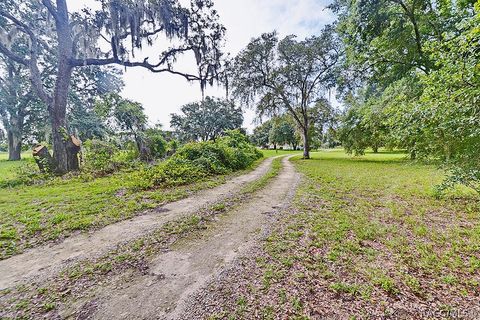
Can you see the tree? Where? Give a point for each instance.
(88, 85)
(128, 117)
(22, 112)
(261, 134)
(323, 120)
(282, 132)
(386, 40)
(16, 99)
(363, 125)
(156, 141)
(287, 76)
(207, 120)
(416, 63)
(41, 28)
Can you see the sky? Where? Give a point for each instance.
(163, 94)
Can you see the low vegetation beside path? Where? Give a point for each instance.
(54, 208)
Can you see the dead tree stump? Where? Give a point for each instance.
(43, 158)
(73, 148)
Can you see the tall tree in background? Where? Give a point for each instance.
(363, 126)
(207, 120)
(88, 85)
(17, 103)
(126, 117)
(287, 76)
(41, 28)
(261, 134)
(282, 132)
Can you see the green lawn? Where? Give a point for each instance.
(273, 153)
(31, 215)
(365, 237)
(8, 169)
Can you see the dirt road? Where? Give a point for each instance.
(163, 293)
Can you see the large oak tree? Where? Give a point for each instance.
(17, 103)
(112, 34)
(206, 120)
(287, 76)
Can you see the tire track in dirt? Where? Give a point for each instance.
(43, 261)
(175, 275)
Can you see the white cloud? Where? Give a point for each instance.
(163, 94)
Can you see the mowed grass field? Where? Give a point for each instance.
(367, 238)
(8, 168)
(274, 153)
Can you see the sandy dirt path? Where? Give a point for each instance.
(175, 275)
(43, 261)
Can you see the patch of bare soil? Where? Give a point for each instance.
(165, 291)
(41, 262)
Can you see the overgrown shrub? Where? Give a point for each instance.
(197, 160)
(209, 156)
(156, 143)
(102, 158)
(172, 147)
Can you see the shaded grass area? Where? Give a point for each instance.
(32, 215)
(78, 281)
(366, 238)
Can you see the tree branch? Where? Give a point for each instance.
(144, 64)
(12, 56)
(51, 9)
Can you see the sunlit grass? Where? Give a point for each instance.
(273, 153)
(8, 169)
(369, 229)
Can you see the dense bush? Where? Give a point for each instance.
(156, 143)
(197, 160)
(101, 158)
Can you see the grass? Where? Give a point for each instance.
(32, 215)
(365, 236)
(8, 168)
(273, 153)
(265, 179)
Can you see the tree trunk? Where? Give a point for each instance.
(375, 149)
(66, 159)
(143, 150)
(306, 143)
(73, 148)
(14, 145)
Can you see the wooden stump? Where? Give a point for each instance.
(43, 158)
(73, 148)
